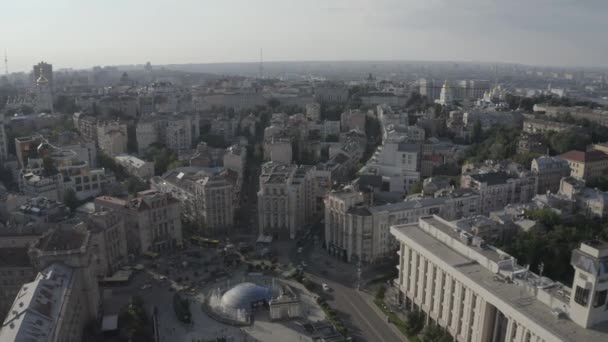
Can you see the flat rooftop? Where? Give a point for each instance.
(14, 257)
(508, 294)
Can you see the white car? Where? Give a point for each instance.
(300, 249)
(325, 287)
(145, 287)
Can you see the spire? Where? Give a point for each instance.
(5, 63)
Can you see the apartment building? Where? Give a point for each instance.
(357, 230)
(286, 199)
(152, 220)
(499, 184)
(586, 165)
(136, 167)
(479, 293)
(206, 196)
(550, 171)
(112, 137)
(176, 131)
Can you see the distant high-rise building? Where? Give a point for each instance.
(3, 140)
(43, 69)
(44, 94)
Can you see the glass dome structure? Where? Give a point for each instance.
(244, 295)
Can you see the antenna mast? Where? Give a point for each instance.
(261, 63)
(5, 63)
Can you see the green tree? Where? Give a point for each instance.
(414, 321)
(48, 166)
(477, 134)
(70, 199)
(434, 333)
(135, 185)
(546, 216)
(182, 308)
(567, 140)
(416, 188)
(274, 103)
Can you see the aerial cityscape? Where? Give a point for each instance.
(424, 171)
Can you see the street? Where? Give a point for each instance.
(355, 307)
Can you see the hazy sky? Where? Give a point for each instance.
(82, 33)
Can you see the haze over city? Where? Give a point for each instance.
(77, 34)
(304, 171)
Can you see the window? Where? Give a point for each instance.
(600, 298)
(581, 296)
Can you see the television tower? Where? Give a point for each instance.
(5, 63)
(261, 63)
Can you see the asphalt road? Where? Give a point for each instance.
(362, 321)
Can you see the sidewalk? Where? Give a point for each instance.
(370, 301)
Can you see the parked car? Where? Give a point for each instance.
(325, 287)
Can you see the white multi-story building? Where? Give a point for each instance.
(313, 111)
(67, 172)
(175, 131)
(135, 166)
(286, 200)
(207, 197)
(51, 308)
(356, 230)
(398, 163)
(479, 293)
(112, 137)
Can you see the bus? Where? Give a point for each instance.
(204, 242)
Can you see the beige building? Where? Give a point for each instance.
(542, 126)
(499, 184)
(479, 293)
(357, 231)
(152, 219)
(207, 197)
(108, 241)
(286, 199)
(112, 137)
(586, 165)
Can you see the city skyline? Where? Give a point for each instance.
(75, 35)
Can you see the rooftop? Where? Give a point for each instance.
(492, 286)
(14, 257)
(62, 240)
(38, 306)
(584, 157)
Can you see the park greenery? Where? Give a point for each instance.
(552, 244)
(134, 323)
(181, 307)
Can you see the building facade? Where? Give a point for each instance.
(550, 171)
(152, 221)
(112, 137)
(286, 199)
(479, 293)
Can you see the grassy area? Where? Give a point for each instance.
(393, 318)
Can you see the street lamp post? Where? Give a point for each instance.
(359, 275)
